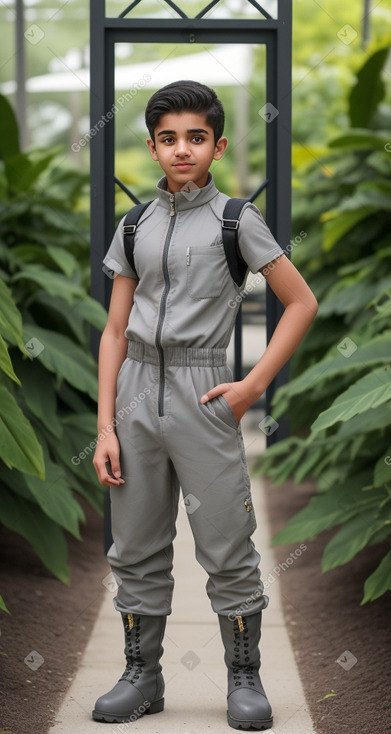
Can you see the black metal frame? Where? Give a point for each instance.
(276, 35)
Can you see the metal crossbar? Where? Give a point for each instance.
(129, 8)
(261, 10)
(206, 10)
(201, 14)
(169, 2)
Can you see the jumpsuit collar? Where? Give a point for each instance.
(186, 199)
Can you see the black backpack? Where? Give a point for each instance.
(230, 225)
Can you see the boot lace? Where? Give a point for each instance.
(134, 661)
(243, 672)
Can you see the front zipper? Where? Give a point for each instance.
(163, 303)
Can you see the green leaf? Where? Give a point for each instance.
(367, 195)
(76, 450)
(328, 695)
(379, 581)
(351, 538)
(369, 90)
(280, 459)
(311, 462)
(380, 535)
(55, 498)
(65, 260)
(56, 284)
(10, 317)
(361, 139)
(23, 171)
(19, 445)
(372, 352)
(376, 419)
(28, 253)
(9, 134)
(5, 362)
(382, 473)
(336, 228)
(326, 510)
(349, 300)
(53, 494)
(3, 606)
(81, 313)
(91, 311)
(63, 357)
(369, 392)
(45, 536)
(49, 256)
(54, 216)
(39, 393)
(62, 315)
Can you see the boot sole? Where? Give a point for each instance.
(155, 708)
(246, 725)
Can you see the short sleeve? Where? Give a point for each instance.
(115, 258)
(256, 242)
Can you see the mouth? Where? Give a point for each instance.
(183, 166)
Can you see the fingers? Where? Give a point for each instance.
(108, 469)
(214, 392)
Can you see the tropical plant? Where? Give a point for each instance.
(341, 383)
(48, 377)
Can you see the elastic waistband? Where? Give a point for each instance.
(178, 356)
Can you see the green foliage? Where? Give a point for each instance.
(369, 87)
(3, 605)
(48, 377)
(341, 377)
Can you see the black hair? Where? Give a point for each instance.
(185, 96)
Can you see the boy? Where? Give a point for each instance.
(163, 378)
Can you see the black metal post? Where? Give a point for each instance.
(101, 154)
(278, 171)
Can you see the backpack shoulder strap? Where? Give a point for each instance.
(129, 228)
(230, 225)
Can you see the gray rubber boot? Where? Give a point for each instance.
(248, 707)
(140, 689)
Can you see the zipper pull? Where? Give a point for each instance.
(240, 623)
(188, 256)
(130, 621)
(172, 205)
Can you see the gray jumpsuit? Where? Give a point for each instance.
(180, 325)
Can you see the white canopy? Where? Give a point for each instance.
(226, 65)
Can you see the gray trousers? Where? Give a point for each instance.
(169, 440)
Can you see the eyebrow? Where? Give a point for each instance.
(192, 130)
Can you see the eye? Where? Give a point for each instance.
(197, 139)
(168, 139)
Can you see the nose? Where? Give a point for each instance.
(181, 148)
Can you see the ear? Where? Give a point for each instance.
(220, 148)
(152, 149)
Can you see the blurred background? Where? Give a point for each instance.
(57, 78)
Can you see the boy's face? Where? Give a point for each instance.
(185, 148)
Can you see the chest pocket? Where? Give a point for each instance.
(206, 271)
